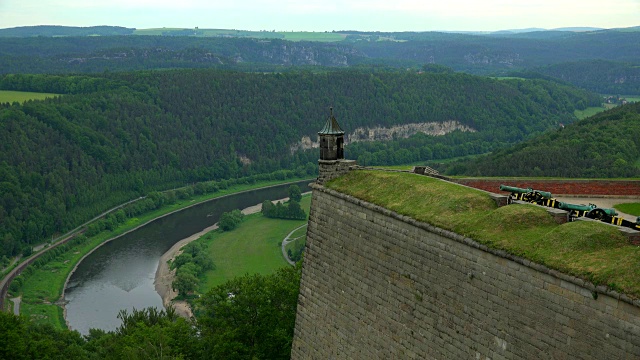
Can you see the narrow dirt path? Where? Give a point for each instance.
(288, 240)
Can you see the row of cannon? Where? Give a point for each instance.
(592, 211)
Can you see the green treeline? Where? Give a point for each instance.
(189, 265)
(249, 317)
(604, 145)
(116, 136)
(290, 210)
(230, 220)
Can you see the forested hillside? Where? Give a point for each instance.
(488, 54)
(604, 77)
(125, 53)
(568, 55)
(605, 145)
(115, 136)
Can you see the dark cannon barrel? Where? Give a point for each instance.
(513, 189)
(587, 208)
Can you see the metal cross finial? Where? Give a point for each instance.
(331, 110)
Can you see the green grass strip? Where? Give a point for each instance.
(629, 208)
(7, 96)
(590, 111)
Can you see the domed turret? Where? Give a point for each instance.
(332, 163)
(331, 139)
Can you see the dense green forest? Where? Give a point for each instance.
(126, 53)
(604, 145)
(486, 54)
(257, 324)
(601, 61)
(116, 136)
(604, 77)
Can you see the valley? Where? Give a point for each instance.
(163, 119)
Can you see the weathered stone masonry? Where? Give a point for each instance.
(377, 285)
(331, 169)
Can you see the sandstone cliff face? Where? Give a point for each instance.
(507, 59)
(301, 54)
(379, 133)
(304, 144)
(407, 130)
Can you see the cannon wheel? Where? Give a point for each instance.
(597, 214)
(533, 197)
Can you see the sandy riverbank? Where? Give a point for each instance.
(165, 276)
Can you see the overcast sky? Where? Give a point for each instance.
(324, 15)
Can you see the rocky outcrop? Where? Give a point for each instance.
(507, 59)
(379, 133)
(407, 130)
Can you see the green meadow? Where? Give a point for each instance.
(252, 248)
(22, 96)
(590, 111)
(629, 208)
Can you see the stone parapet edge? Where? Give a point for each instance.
(602, 289)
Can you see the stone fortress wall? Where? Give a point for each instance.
(378, 285)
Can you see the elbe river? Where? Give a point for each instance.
(120, 274)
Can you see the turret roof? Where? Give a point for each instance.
(331, 127)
